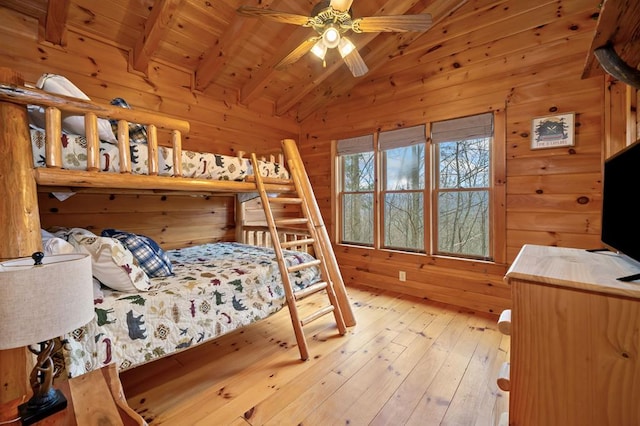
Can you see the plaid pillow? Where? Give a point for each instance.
(151, 258)
(137, 132)
(111, 262)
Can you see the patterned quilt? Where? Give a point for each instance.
(194, 164)
(216, 288)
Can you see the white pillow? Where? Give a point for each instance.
(111, 262)
(73, 124)
(54, 245)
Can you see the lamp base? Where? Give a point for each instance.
(31, 413)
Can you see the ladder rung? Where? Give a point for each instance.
(294, 243)
(265, 179)
(302, 266)
(292, 221)
(313, 288)
(317, 314)
(285, 200)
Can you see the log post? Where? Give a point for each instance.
(20, 230)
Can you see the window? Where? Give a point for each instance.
(461, 187)
(403, 159)
(357, 189)
(434, 198)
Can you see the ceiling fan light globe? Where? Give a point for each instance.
(319, 49)
(345, 46)
(331, 37)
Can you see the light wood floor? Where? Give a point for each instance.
(407, 361)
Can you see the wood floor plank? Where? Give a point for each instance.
(495, 401)
(371, 332)
(377, 369)
(407, 361)
(408, 394)
(368, 404)
(439, 394)
(466, 406)
(273, 375)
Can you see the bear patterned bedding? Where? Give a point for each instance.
(214, 289)
(194, 164)
(74, 154)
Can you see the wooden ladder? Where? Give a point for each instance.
(319, 251)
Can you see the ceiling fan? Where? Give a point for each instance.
(331, 19)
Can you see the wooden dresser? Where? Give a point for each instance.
(575, 339)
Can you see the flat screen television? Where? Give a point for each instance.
(620, 197)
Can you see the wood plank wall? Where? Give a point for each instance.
(172, 220)
(218, 124)
(100, 69)
(529, 66)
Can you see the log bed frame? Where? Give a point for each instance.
(20, 181)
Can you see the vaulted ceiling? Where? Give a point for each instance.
(223, 48)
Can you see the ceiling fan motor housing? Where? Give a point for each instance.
(324, 15)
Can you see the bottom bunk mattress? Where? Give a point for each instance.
(215, 289)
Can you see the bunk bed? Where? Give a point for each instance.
(22, 175)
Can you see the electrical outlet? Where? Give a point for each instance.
(402, 275)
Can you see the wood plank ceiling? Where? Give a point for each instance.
(222, 48)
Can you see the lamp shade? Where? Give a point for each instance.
(345, 46)
(41, 302)
(319, 49)
(331, 37)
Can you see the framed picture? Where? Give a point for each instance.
(553, 131)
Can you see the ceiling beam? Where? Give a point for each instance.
(155, 28)
(223, 51)
(55, 25)
(618, 25)
(377, 57)
(261, 77)
(254, 88)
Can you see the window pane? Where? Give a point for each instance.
(463, 223)
(464, 164)
(357, 218)
(404, 168)
(358, 172)
(404, 220)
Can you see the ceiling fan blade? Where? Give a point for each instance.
(356, 64)
(341, 5)
(297, 53)
(393, 23)
(274, 15)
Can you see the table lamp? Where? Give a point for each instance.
(41, 299)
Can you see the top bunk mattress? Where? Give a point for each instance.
(198, 165)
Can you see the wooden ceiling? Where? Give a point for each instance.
(220, 47)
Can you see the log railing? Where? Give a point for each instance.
(58, 106)
(260, 236)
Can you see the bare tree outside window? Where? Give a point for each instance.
(463, 197)
(462, 157)
(404, 197)
(443, 193)
(357, 198)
